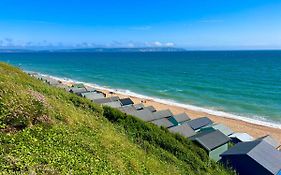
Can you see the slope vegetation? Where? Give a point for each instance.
(45, 130)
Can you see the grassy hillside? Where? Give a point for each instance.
(45, 130)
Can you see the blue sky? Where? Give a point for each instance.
(190, 24)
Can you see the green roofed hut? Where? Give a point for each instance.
(214, 142)
(222, 128)
(184, 130)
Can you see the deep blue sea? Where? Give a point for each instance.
(243, 83)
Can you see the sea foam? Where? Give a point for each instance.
(258, 120)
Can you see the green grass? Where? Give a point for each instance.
(45, 130)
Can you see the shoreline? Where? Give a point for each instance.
(253, 127)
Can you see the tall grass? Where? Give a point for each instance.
(45, 130)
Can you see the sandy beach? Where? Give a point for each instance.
(236, 125)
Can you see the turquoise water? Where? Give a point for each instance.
(245, 83)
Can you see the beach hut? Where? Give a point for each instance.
(53, 82)
(92, 95)
(144, 114)
(77, 90)
(184, 130)
(255, 157)
(161, 114)
(240, 137)
(126, 101)
(214, 142)
(113, 104)
(198, 123)
(139, 106)
(106, 100)
(222, 128)
(78, 85)
(179, 118)
(164, 122)
(151, 108)
(128, 109)
(270, 141)
(90, 89)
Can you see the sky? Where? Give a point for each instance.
(189, 24)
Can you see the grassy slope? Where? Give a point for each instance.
(46, 130)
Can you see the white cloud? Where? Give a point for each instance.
(170, 44)
(157, 43)
(44, 44)
(160, 44)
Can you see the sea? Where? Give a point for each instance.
(244, 85)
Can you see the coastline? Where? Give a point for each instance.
(253, 127)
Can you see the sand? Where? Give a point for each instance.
(236, 125)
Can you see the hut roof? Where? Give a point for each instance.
(151, 108)
(144, 114)
(199, 122)
(243, 137)
(163, 122)
(78, 85)
(224, 129)
(184, 130)
(270, 141)
(211, 140)
(92, 95)
(161, 114)
(128, 109)
(139, 106)
(52, 81)
(113, 104)
(78, 91)
(183, 117)
(106, 100)
(260, 151)
(126, 101)
(90, 89)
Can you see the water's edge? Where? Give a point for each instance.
(172, 103)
